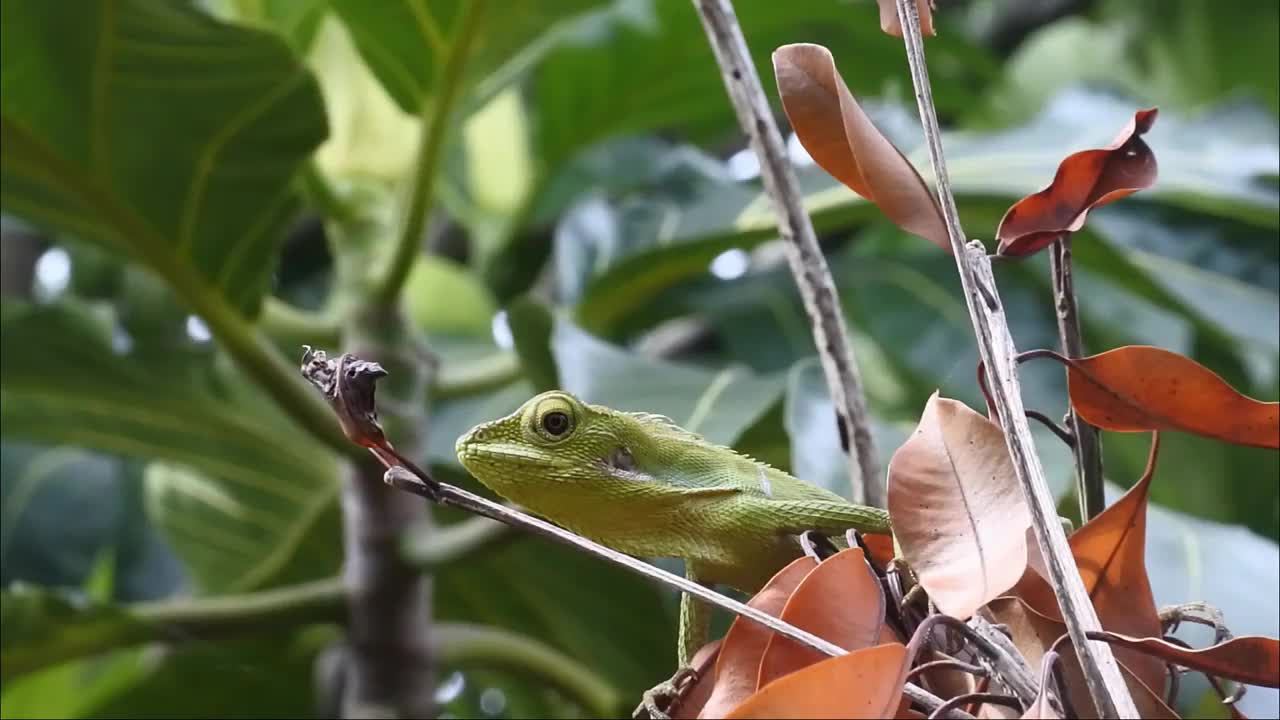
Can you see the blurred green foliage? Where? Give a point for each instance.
(207, 182)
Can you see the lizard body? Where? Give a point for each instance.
(642, 485)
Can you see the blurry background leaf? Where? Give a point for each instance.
(182, 163)
(239, 489)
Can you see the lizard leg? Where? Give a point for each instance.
(695, 628)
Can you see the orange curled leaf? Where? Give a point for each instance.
(1085, 180)
(1251, 659)
(840, 601)
(1138, 388)
(1110, 554)
(957, 507)
(866, 683)
(841, 140)
(889, 17)
(738, 666)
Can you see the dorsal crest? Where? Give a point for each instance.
(668, 427)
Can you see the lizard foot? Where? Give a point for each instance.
(659, 699)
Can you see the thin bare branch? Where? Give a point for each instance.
(1087, 447)
(995, 345)
(804, 255)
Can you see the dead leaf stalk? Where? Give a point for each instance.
(1002, 660)
(1063, 434)
(1007, 663)
(804, 255)
(979, 698)
(1054, 684)
(995, 344)
(1087, 447)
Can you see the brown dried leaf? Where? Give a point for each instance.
(866, 683)
(840, 601)
(738, 666)
(957, 508)
(1251, 659)
(1140, 388)
(841, 139)
(1109, 551)
(889, 17)
(1085, 180)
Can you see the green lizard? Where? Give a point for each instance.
(642, 485)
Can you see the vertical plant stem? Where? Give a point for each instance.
(995, 344)
(1088, 446)
(390, 668)
(391, 672)
(804, 255)
(436, 116)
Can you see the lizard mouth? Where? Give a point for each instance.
(476, 455)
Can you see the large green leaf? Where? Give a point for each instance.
(404, 41)
(235, 485)
(158, 131)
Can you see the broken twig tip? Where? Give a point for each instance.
(349, 385)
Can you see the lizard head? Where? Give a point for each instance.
(556, 447)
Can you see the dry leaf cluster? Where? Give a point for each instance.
(959, 513)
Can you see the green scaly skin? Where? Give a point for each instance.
(642, 485)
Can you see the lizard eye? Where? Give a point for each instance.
(556, 423)
(552, 418)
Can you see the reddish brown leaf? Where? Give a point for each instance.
(1109, 551)
(957, 507)
(889, 17)
(841, 139)
(866, 683)
(880, 547)
(1139, 388)
(840, 601)
(738, 666)
(1252, 659)
(1085, 180)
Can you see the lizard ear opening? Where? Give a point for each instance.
(553, 419)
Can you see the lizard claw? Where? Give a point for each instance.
(658, 700)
